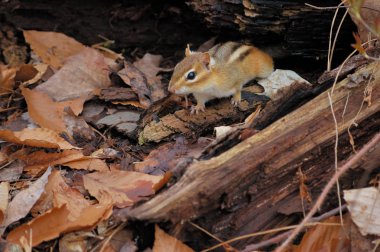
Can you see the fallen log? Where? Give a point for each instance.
(281, 24)
(253, 186)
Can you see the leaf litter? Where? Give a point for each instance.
(68, 188)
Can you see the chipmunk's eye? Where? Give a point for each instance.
(190, 76)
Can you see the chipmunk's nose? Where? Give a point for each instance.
(171, 89)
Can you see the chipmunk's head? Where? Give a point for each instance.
(191, 72)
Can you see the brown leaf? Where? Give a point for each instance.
(44, 72)
(7, 81)
(132, 76)
(38, 137)
(13, 171)
(327, 236)
(52, 47)
(358, 44)
(149, 65)
(25, 72)
(122, 188)
(21, 204)
(81, 76)
(4, 197)
(73, 242)
(58, 193)
(47, 113)
(56, 221)
(166, 243)
(38, 161)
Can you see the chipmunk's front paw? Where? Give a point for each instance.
(198, 108)
(235, 102)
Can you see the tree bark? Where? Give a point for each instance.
(289, 26)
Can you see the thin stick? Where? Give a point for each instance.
(329, 52)
(336, 155)
(206, 232)
(336, 36)
(310, 224)
(375, 140)
(325, 8)
(283, 236)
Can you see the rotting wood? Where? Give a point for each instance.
(280, 24)
(263, 167)
(182, 121)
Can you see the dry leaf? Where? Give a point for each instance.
(30, 74)
(81, 76)
(7, 81)
(73, 242)
(37, 161)
(13, 171)
(149, 65)
(54, 222)
(122, 188)
(364, 207)
(133, 77)
(52, 47)
(47, 113)
(39, 137)
(21, 204)
(57, 193)
(25, 73)
(327, 236)
(166, 243)
(4, 197)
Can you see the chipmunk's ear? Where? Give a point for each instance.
(188, 51)
(207, 60)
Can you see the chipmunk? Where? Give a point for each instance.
(220, 72)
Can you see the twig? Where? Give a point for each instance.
(336, 154)
(336, 37)
(310, 224)
(283, 236)
(375, 140)
(331, 50)
(325, 8)
(211, 235)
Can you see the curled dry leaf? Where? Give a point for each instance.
(21, 204)
(47, 113)
(164, 242)
(4, 195)
(7, 81)
(25, 72)
(364, 207)
(82, 76)
(58, 193)
(56, 221)
(132, 76)
(39, 137)
(52, 47)
(149, 65)
(40, 160)
(122, 188)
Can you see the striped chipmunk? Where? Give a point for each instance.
(220, 72)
